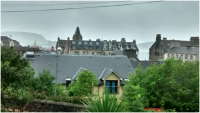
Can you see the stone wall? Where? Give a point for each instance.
(42, 106)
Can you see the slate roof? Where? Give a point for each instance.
(6, 40)
(94, 44)
(82, 45)
(166, 43)
(144, 64)
(69, 65)
(184, 50)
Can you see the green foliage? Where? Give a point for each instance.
(83, 86)
(15, 71)
(43, 83)
(134, 96)
(19, 96)
(174, 84)
(107, 104)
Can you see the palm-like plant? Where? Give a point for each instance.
(107, 104)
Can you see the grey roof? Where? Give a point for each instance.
(69, 65)
(90, 44)
(166, 43)
(144, 64)
(6, 40)
(100, 44)
(184, 50)
(106, 72)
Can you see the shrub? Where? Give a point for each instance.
(107, 104)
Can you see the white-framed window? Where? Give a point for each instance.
(168, 55)
(97, 43)
(177, 56)
(85, 43)
(73, 42)
(79, 42)
(191, 57)
(186, 57)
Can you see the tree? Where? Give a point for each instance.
(43, 83)
(174, 84)
(83, 85)
(134, 96)
(15, 71)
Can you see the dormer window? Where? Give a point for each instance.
(111, 86)
(85, 43)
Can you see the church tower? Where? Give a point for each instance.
(77, 35)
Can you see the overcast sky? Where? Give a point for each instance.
(174, 20)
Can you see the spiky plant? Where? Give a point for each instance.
(108, 103)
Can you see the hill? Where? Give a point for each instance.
(26, 39)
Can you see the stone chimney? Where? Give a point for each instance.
(97, 39)
(68, 45)
(164, 38)
(134, 42)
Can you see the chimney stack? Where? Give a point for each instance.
(164, 38)
(68, 45)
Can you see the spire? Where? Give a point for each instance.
(77, 32)
(77, 35)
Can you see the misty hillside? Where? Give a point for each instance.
(144, 50)
(144, 46)
(26, 39)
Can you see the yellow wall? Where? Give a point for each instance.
(101, 89)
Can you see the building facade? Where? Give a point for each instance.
(183, 53)
(111, 71)
(160, 47)
(78, 46)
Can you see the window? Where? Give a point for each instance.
(111, 86)
(98, 53)
(73, 42)
(74, 47)
(177, 56)
(90, 43)
(185, 56)
(79, 42)
(191, 57)
(76, 52)
(97, 43)
(83, 52)
(85, 43)
(92, 53)
(168, 55)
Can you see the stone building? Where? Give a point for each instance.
(183, 53)
(79, 46)
(158, 49)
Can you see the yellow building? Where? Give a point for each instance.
(111, 71)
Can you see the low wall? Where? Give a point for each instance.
(43, 106)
